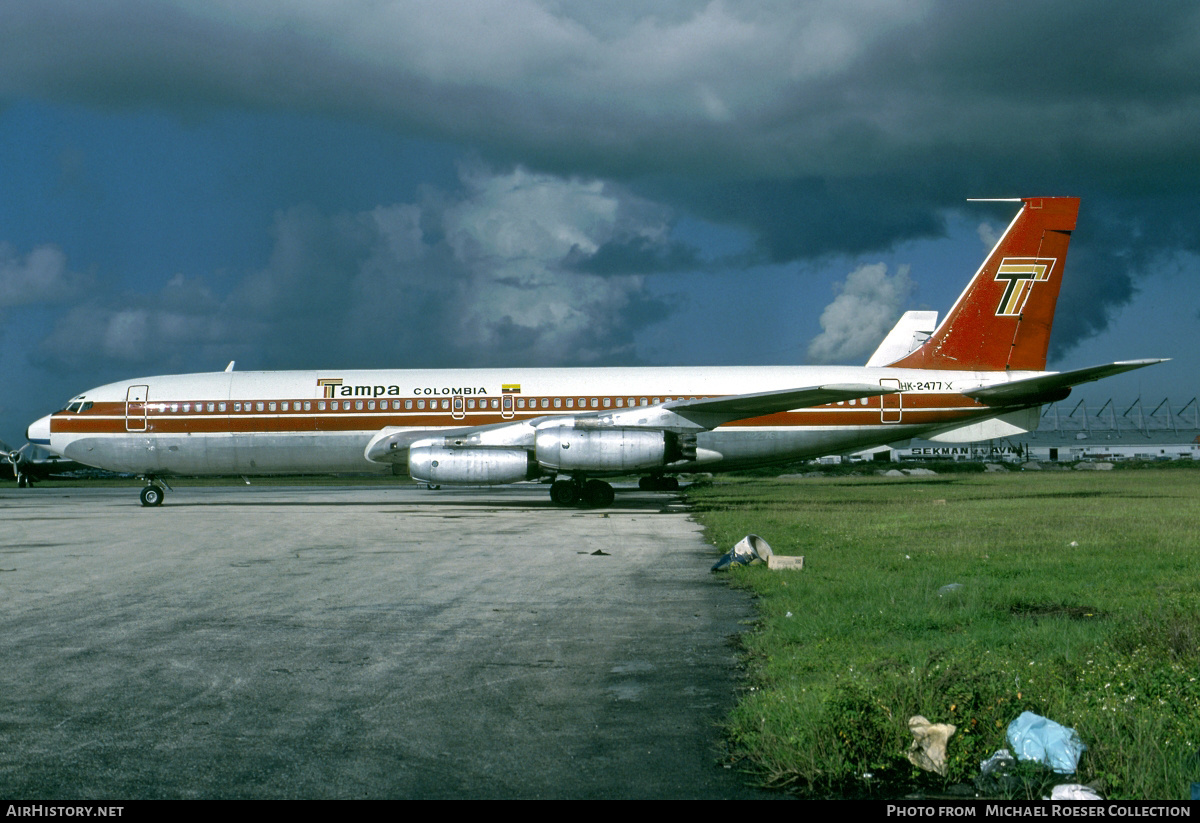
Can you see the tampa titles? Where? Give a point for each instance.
(335, 387)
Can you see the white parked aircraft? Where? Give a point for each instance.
(979, 374)
(30, 465)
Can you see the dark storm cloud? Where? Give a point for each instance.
(635, 255)
(723, 90)
(815, 217)
(478, 277)
(1118, 242)
(826, 127)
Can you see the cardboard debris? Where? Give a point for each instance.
(777, 562)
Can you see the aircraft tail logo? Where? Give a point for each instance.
(1020, 273)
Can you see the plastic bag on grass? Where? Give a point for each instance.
(1034, 737)
(1073, 791)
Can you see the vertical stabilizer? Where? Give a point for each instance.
(1002, 321)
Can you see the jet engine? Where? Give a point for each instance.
(470, 466)
(578, 449)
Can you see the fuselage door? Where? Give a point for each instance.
(135, 408)
(891, 406)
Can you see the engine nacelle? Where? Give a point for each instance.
(568, 449)
(470, 466)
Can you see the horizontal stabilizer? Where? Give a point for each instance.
(1050, 387)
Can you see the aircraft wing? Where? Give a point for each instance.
(741, 406)
(1050, 387)
(678, 415)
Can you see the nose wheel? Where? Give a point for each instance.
(152, 495)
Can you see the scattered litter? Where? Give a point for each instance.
(1034, 737)
(996, 777)
(749, 549)
(1000, 761)
(759, 548)
(949, 588)
(928, 749)
(778, 562)
(1074, 543)
(789, 614)
(728, 559)
(1073, 791)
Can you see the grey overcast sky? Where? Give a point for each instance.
(371, 183)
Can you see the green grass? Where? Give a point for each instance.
(1079, 600)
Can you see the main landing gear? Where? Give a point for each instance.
(597, 494)
(576, 492)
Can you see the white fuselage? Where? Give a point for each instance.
(300, 422)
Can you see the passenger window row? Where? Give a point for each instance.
(250, 406)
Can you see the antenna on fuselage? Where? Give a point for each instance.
(230, 366)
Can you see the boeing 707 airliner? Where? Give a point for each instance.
(978, 374)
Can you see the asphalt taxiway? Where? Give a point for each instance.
(342, 642)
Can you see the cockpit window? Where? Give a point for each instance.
(78, 406)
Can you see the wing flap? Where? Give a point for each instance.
(741, 406)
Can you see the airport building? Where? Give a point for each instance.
(1073, 432)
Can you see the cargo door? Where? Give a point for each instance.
(891, 406)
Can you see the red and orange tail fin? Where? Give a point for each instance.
(1002, 321)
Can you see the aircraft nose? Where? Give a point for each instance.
(38, 432)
